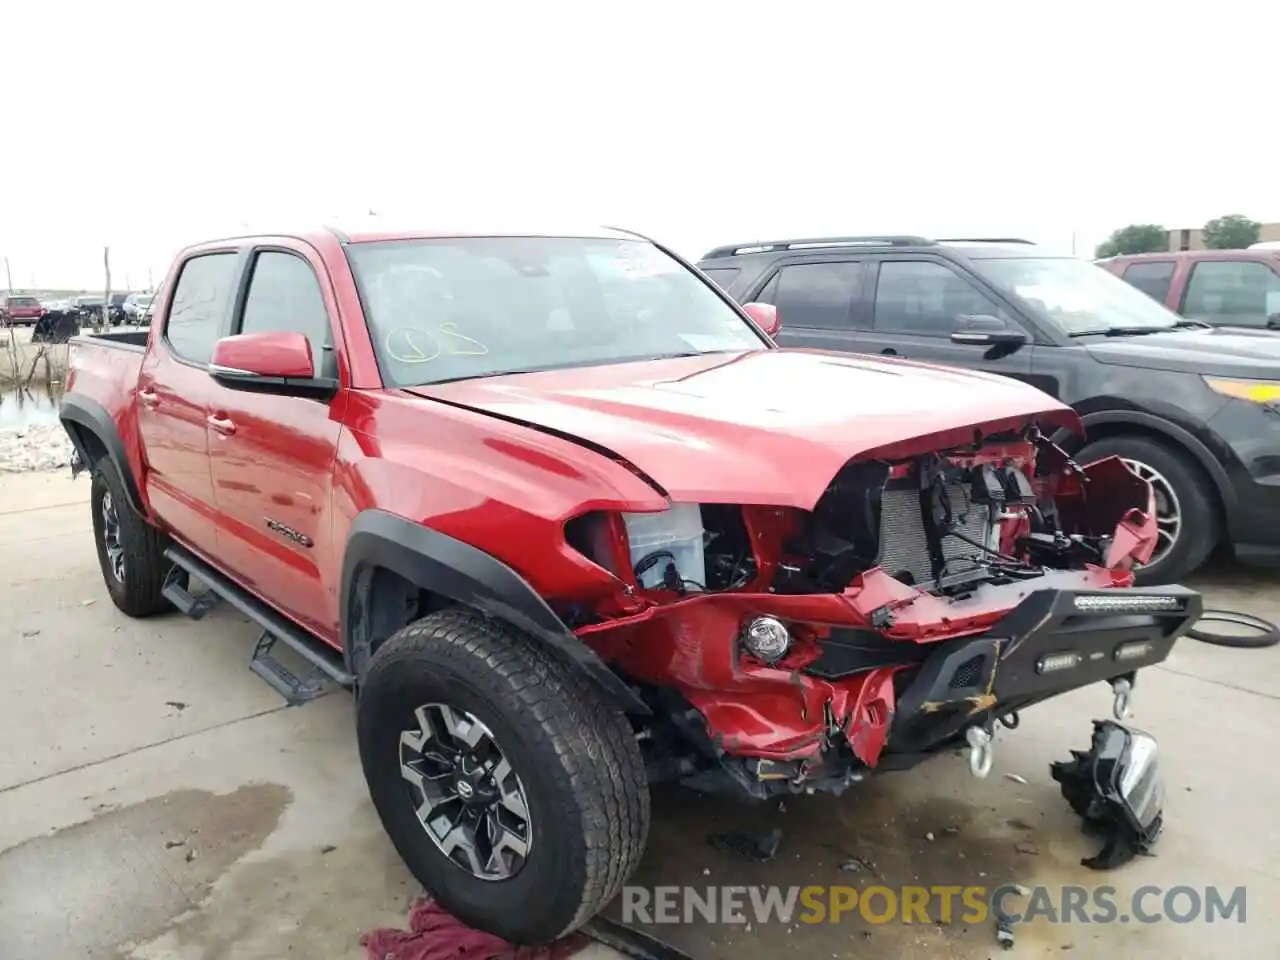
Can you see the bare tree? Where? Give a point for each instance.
(106, 297)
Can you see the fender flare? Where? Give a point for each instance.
(91, 416)
(462, 573)
(1172, 432)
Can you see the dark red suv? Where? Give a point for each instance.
(1227, 288)
(19, 308)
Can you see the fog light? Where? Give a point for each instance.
(1126, 603)
(1133, 651)
(767, 638)
(1058, 661)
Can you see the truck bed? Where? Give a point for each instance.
(102, 391)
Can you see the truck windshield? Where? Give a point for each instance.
(458, 308)
(1081, 298)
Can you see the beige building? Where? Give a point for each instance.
(1194, 239)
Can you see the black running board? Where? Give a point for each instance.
(326, 664)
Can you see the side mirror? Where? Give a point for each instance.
(278, 363)
(987, 331)
(766, 317)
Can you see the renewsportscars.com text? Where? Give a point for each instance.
(920, 904)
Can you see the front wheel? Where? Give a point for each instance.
(514, 793)
(1186, 509)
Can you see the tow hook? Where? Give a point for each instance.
(981, 754)
(1122, 707)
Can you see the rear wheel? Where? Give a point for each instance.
(1186, 507)
(130, 550)
(512, 791)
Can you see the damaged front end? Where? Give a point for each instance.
(929, 594)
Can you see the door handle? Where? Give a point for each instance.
(148, 397)
(221, 424)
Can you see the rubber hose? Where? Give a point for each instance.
(1268, 634)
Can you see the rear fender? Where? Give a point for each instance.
(461, 573)
(82, 418)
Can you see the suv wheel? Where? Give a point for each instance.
(512, 791)
(1186, 512)
(130, 550)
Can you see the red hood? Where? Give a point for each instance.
(770, 427)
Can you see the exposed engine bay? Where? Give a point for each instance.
(941, 522)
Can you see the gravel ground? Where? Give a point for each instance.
(38, 446)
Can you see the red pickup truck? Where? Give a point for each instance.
(568, 521)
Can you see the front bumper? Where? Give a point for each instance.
(1054, 641)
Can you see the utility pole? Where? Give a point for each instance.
(8, 274)
(151, 284)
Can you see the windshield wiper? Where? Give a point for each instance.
(1120, 331)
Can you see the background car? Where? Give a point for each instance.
(1190, 407)
(137, 308)
(1227, 288)
(19, 309)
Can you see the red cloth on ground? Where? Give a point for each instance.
(435, 934)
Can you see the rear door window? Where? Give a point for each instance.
(819, 296)
(1151, 277)
(199, 306)
(1236, 293)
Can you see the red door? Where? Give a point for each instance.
(173, 399)
(272, 456)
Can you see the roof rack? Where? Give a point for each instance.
(768, 246)
(1029, 243)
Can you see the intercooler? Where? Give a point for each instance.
(904, 546)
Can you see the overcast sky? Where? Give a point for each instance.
(149, 125)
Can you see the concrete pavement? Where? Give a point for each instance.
(158, 801)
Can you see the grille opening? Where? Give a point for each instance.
(969, 674)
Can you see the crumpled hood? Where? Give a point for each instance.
(1219, 352)
(768, 427)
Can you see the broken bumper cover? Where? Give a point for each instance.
(1116, 787)
(1052, 642)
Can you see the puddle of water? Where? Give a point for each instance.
(27, 407)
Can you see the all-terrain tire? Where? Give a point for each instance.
(1197, 504)
(137, 592)
(575, 755)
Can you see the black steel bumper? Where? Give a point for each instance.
(1052, 642)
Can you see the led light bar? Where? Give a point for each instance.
(1126, 603)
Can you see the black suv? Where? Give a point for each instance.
(1195, 410)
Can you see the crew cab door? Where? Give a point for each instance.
(272, 456)
(917, 303)
(173, 397)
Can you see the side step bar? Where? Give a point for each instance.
(326, 664)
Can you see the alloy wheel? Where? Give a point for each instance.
(111, 537)
(1168, 509)
(468, 798)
